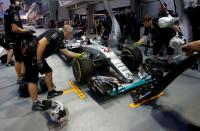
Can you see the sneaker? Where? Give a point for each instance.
(54, 93)
(38, 106)
(47, 103)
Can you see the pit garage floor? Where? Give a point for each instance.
(179, 106)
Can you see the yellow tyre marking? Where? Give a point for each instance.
(77, 90)
(68, 91)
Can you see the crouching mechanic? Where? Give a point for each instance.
(160, 37)
(45, 45)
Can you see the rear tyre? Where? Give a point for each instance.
(131, 57)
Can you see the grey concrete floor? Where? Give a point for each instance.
(172, 112)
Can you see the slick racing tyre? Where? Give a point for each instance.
(131, 57)
(82, 69)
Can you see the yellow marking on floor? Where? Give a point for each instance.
(76, 89)
(133, 105)
(68, 91)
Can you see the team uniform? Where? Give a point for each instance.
(12, 16)
(55, 42)
(160, 37)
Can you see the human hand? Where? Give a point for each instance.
(79, 55)
(138, 43)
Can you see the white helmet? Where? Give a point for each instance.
(166, 22)
(177, 42)
(58, 113)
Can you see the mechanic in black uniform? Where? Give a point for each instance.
(159, 37)
(13, 29)
(105, 34)
(45, 45)
(168, 33)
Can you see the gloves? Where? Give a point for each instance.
(138, 43)
(39, 64)
(79, 55)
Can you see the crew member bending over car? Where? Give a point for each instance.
(45, 45)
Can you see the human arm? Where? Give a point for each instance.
(17, 29)
(41, 48)
(15, 20)
(192, 46)
(71, 54)
(141, 41)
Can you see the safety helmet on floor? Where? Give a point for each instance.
(58, 113)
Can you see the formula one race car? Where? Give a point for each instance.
(148, 83)
(100, 66)
(101, 58)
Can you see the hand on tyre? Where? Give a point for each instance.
(39, 64)
(138, 43)
(80, 55)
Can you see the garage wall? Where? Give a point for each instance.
(100, 6)
(152, 8)
(6, 4)
(53, 6)
(184, 21)
(113, 4)
(56, 9)
(80, 11)
(63, 13)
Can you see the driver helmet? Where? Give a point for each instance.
(58, 113)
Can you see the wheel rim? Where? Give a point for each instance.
(77, 71)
